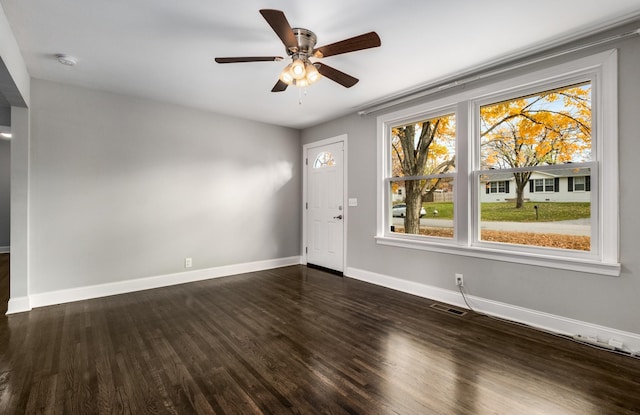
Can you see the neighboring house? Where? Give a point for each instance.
(557, 186)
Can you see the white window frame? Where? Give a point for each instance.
(601, 70)
(404, 119)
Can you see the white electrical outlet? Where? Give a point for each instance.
(459, 280)
(188, 262)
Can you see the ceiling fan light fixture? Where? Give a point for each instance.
(300, 73)
(298, 70)
(312, 73)
(301, 83)
(286, 75)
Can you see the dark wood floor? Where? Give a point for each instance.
(295, 341)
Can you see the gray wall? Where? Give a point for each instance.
(608, 301)
(124, 188)
(5, 192)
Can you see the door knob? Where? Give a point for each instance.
(338, 217)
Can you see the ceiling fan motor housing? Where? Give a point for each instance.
(306, 42)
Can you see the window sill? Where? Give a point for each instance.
(548, 261)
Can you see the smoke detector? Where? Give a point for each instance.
(67, 60)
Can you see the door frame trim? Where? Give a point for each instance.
(343, 138)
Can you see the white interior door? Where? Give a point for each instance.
(325, 210)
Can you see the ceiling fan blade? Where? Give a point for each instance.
(365, 41)
(279, 86)
(249, 59)
(335, 75)
(279, 23)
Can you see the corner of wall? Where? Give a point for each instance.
(18, 305)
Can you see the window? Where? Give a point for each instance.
(420, 171)
(579, 184)
(498, 187)
(324, 159)
(525, 134)
(538, 185)
(523, 173)
(549, 185)
(543, 185)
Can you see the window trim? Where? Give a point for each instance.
(602, 70)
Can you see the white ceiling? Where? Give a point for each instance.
(164, 49)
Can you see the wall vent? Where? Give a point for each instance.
(448, 309)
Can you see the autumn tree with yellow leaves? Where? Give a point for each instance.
(548, 128)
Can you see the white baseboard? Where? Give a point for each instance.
(18, 305)
(121, 287)
(544, 321)
(5, 249)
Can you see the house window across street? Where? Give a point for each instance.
(498, 187)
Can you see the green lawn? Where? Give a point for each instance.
(445, 210)
(506, 211)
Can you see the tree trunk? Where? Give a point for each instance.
(521, 182)
(519, 198)
(414, 205)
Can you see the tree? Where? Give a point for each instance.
(548, 128)
(420, 149)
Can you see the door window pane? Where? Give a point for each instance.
(324, 159)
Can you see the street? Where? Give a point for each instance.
(581, 227)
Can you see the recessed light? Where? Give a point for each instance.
(66, 59)
(5, 135)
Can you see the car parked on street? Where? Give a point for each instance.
(400, 210)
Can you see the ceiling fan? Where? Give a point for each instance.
(300, 46)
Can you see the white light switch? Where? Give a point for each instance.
(353, 201)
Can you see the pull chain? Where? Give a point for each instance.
(301, 94)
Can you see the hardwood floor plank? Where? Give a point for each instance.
(296, 341)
